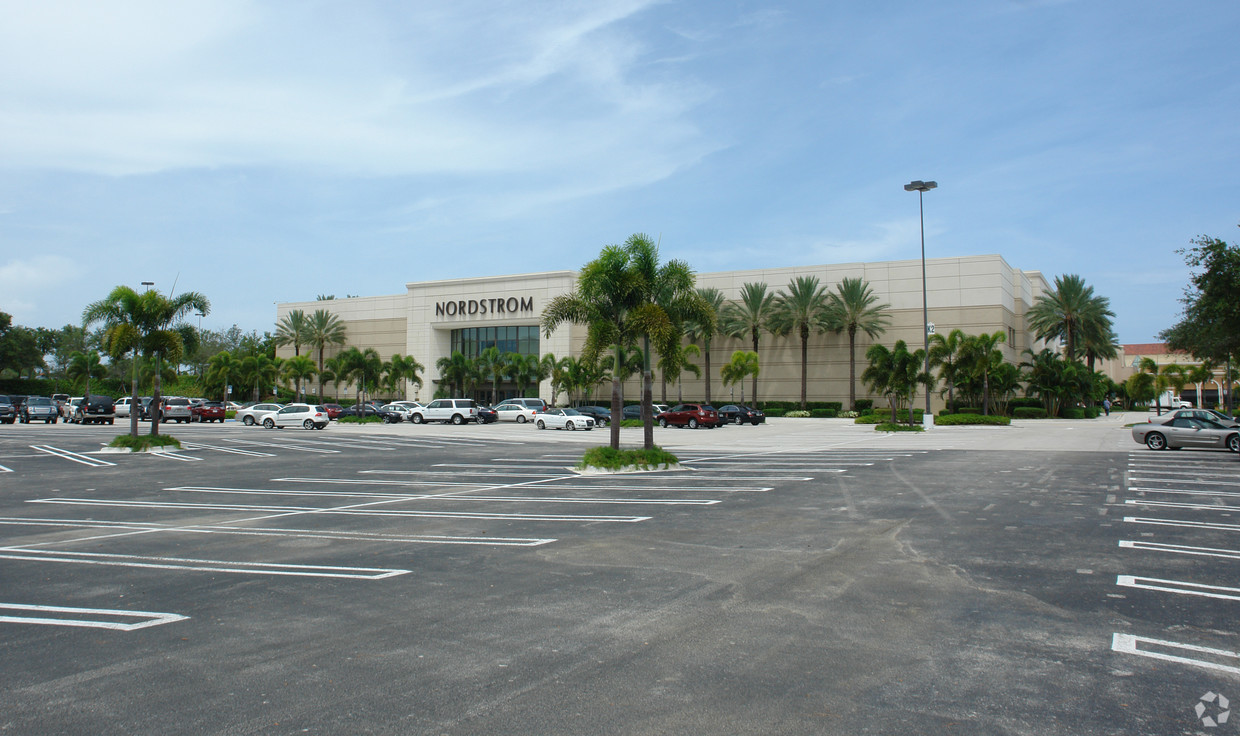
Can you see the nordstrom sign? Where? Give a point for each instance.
(478, 307)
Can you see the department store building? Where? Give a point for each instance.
(431, 319)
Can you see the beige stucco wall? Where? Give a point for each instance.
(974, 294)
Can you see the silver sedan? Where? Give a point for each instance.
(1180, 430)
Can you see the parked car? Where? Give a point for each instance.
(600, 414)
(1221, 418)
(66, 411)
(370, 410)
(333, 410)
(208, 411)
(1175, 432)
(689, 415)
(175, 409)
(513, 411)
(634, 411)
(123, 405)
(309, 416)
(569, 419)
(457, 411)
(537, 405)
(8, 412)
(251, 415)
(39, 408)
(62, 403)
(486, 414)
(94, 409)
(398, 409)
(740, 414)
(144, 407)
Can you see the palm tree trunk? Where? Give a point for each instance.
(804, 362)
(852, 368)
(647, 396)
(157, 414)
(133, 400)
(706, 343)
(755, 376)
(617, 400)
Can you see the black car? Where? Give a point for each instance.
(95, 409)
(370, 410)
(8, 412)
(600, 414)
(486, 414)
(741, 414)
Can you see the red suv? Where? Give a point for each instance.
(207, 411)
(690, 415)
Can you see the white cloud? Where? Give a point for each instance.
(30, 284)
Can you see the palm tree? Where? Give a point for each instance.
(623, 297)
(979, 357)
(744, 363)
(87, 366)
(670, 367)
(524, 370)
(705, 332)
(852, 309)
(803, 309)
(222, 370)
(750, 316)
(494, 365)
(123, 316)
(404, 369)
(895, 374)
(560, 376)
(454, 371)
(260, 370)
(323, 329)
(362, 368)
(293, 329)
(1198, 375)
(297, 369)
(1150, 366)
(945, 355)
(1070, 311)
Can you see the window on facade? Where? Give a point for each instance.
(471, 341)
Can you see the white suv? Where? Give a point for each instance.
(457, 411)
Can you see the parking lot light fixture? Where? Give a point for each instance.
(921, 187)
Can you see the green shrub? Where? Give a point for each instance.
(787, 406)
(824, 413)
(230, 414)
(776, 412)
(950, 420)
(1092, 412)
(889, 427)
(798, 414)
(609, 459)
(145, 442)
(1072, 412)
(1029, 402)
(850, 414)
(872, 418)
(360, 420)
(631, 423)
(1029, 412)
(967, 410)
(864, 405)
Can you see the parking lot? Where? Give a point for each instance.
(797, 577)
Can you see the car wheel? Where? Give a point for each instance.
(693, 423)
(1155, 441)
(269, 423)
(1233, 443)
(521, 419)
(417, 419)
(541, 425)
(248, 421)
(663, 423)
(739, 421)
(570, 426)
(457, 419)
(756, 422)
(308, 424)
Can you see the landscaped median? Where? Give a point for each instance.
(608, 460)
(882, 420)
(144, 442)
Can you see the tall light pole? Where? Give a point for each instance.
(921, 187)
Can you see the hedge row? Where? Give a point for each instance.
(951, 420)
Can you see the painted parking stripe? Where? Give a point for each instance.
(552, 483)
(1140, 646)
(1186, 492)
(1183, 523)
(5, 470)
(231, 450)
(176, 456)
(1182, 549)
(297, 448)
(453, 497)
(95, 618)
(175, 563)
(1178, 505)
(1191, 473)
(1179, 586)
(75, 457)
(1195, 481)
(339, 512)
(280, 532)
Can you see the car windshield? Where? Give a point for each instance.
(38, 401)
(572, 413)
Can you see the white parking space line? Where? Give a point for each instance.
(1179, 586)
(1183, 523)
(104, 618)
(799, 466)
(551, 483)
(453, 497)
(1191, 473)
(1129, 644)
(1185, 492)
(176, 456)
(5, 470)
(1182, 549)
(175, 563)
(1176, 505)
(326, 511)
(231, 450)
(75, 457)
(1144, 479)
(297, 448)
(277, 532)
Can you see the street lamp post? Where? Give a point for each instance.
(921, 187)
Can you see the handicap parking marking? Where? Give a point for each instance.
(216, 566)
(1182, 549)
(1178, 586)
(248, 531)
(73, 456)
(345, 511)
(1145, 647)
(96, 618)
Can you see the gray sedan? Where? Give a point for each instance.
(1176, 431)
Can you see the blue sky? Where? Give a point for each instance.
(272, 151)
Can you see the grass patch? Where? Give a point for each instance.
(605, 457)
(145, 442)
(360, 420)
(230, 414)
(632, 423)
(950, 420)
(889, 427)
